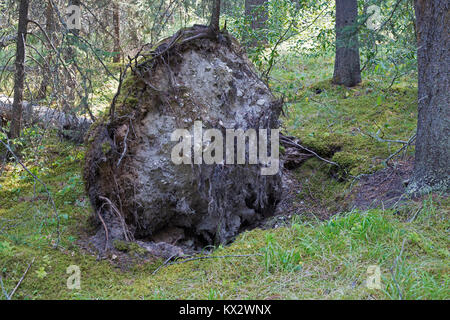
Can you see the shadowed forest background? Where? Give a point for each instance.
(359, 90)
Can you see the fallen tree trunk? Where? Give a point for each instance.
(70, 126)
(135, 187)
(12, 69)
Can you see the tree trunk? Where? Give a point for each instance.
(20, 70)
(256, 10)
(215, 18)
(347, 65)
(50, 27)
(432, 161)
(71, 58)
(116, 23)
(133, 29)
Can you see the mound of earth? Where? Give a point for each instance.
(137, 190)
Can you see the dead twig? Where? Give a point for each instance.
(21, 279)
(163, 265)
(105, 227)
(379, 139)
(404, 147)
(126, 232)
(414, 216)
(288, 141)
(9, 297)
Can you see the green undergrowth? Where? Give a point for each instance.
(321, 193)
(306, 258)
(357, 128)
(350, 126)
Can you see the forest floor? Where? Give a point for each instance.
(334, 225)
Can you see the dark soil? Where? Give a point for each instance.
(383, 188)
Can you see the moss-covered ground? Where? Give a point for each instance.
(303, 258)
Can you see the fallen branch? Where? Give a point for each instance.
(21, 279)
(406, 145)
(288, 141)
(9, 297)
(33, 114)
(163, 265)
(379, 139)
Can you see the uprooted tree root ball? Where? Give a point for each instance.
(137, 192)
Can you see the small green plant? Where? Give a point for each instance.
(69, 192)
(214, 294)
(41, 273)
(6, 249)
(276, 258)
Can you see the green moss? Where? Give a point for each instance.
(331, 256)
(129, 247)
(349, 120)
(324, 143)
(320, 194)
(91, 134)
(127, 100)
(106, 147)
(349, 160)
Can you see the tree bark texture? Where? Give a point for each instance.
(215, 18)
(432, 160)
(20, 70)
(116, 23)
(256, 11)
(50, 28)
(347, 70)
